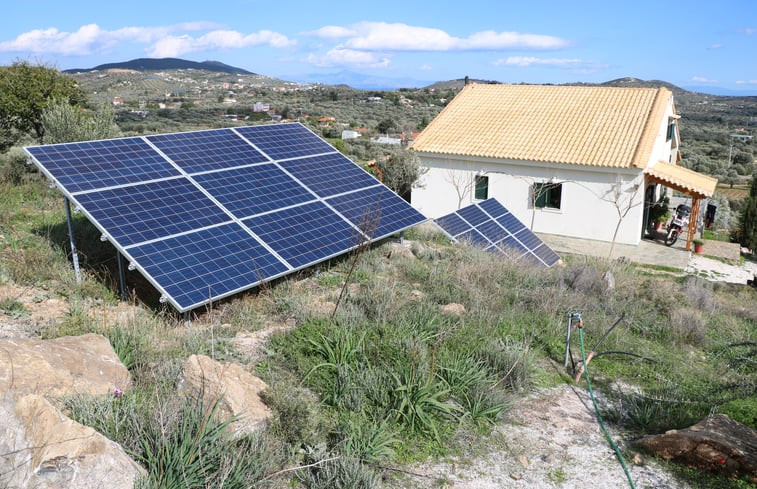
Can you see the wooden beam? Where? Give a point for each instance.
(693, 218)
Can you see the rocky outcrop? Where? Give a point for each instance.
(62, 366)
(43, 449)
(716, 444)
(236, 390)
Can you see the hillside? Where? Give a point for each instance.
(164, 64)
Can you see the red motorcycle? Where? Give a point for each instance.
(677, 223)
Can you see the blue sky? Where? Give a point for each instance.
(695, 43)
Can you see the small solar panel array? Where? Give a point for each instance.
(205, 214)
(490, 225)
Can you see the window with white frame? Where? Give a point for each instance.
(481, 190)
(547, 195)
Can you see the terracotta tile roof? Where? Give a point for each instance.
(683, 179)
(598, 126)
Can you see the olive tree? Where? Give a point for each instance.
(64, 123)
(400, 171)
(25, 92)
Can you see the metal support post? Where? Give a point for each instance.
(121, 276)
(74, 254)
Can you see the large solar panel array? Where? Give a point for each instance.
(491, 226)
(205, 214)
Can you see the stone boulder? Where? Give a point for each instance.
(62, 366)
(43, 449)
(236, 390)
(453, 309)
(716, 444)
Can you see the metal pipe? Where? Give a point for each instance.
(71, 240)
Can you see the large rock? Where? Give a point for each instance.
(41, 448)
(236, 390)
(63, 366)
(716, 444)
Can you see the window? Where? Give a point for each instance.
(671, 136)
(547, 195)
(482, 188)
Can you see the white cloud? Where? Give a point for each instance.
(746, 82)
(169, 40)
(749, 31)
(172, 46)
(702, 79)
(716, 46)
(572, 63)
(340, 56)
(425, 67)
(331, 32)
(382, 36)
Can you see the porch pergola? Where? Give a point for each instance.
(686, 181)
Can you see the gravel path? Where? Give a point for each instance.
(550, 439)
(718, 271)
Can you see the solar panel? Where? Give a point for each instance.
(285, 140)
(151, 210)
(99, 164)
(490, 225)
(207, 150)
(197, 267)
(306, 233)
(329, 174)
(205, 214)
(254, 189)
(376, 210)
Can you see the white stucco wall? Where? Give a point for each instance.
(587, 209)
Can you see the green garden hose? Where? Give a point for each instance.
(596, 409)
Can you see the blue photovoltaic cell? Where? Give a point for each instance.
(512, 246)
(211, 263)
(377, 210)
(529, 239)
(511, 223)
(497, 230)
(205, 214)
(546, 255)
(493, 208)
(285, 140)
(100, 164)
(330, 174)
(151, 210)
(207, 150)
(473, 215)
(305, 234)
(251, 190)
(493, 231)
(453, 224)
(474, 237)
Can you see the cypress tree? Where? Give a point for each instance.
(749, 218)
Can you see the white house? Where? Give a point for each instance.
(567, 160)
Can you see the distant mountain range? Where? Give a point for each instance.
(362, 81)
(162, 64)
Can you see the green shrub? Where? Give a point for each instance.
(297, 415)
(329, 471)
(128, 345)
(13, 308)
(688, 327)
(368, 439)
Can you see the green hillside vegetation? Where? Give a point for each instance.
(370, 373)
(387, 378)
